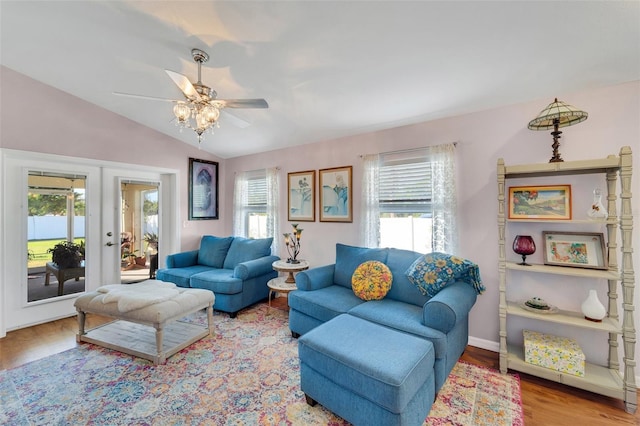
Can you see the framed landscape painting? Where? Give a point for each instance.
(547, 202)
(301, 196)
(203, 189)
(336, 197)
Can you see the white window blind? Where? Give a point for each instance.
(405, 185)
(257, 191)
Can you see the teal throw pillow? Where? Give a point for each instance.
(244, 249)
(213, 250)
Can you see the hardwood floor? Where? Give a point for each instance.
(545, 403)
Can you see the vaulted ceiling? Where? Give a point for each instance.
(327, 68)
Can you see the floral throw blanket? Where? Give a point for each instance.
(433, 271)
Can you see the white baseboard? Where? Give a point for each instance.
(484, 344)
(495, 347)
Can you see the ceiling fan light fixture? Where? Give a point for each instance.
(182, 112)
(211, 114)
(200, 109)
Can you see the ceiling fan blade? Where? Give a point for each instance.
(243, 103)
(184, 84)
(151, 98)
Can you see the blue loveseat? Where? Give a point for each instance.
(235, 269)
(325, 292)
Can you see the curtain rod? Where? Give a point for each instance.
(455, 144)
(256, 170)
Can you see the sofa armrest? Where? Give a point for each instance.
(183, 259)
(254, 268)
(449, 306)
(316, 278)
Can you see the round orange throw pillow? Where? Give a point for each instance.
(371, 280)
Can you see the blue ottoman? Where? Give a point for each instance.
(366, 373)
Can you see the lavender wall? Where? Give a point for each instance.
(482, 138)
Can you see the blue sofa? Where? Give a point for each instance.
(235, 269)
(325, 292)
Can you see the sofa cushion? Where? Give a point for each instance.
(213, 250)
(325, 303)
(219, 281)
(402, 289)
(371, 280)
(348, 258)
(243, 249)
(180, 276)
(402, 317)
(431, 272)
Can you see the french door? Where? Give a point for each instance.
(103, 219)
(127, 224)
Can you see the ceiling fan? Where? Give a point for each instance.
(201, 108)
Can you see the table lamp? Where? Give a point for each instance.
(557, 114)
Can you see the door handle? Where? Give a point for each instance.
(109, 244)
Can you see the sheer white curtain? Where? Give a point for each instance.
(444, 199)
(240, 201)
(370, 206)
(445, 205)
(273, 207)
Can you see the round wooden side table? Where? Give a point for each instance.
(279, 285)
(285, 284)
(283, 266)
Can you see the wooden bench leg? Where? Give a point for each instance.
(210, 319)
(81, 320)
(160, 358)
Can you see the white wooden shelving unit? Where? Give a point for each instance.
(604, 380)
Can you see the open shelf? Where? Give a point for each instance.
(566, 317)
(564, 270)
(599, 379)
(563, 168)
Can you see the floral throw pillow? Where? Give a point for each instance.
(431, 272)
(371, 280)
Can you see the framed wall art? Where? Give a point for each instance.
(301, 201)
(576, 249)
(336, 195)
(547, 202)
(203, 189)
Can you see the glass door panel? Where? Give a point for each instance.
(55, 235)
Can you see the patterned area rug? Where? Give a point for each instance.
(246, 374)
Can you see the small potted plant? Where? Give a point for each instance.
(151, 238)
(67, 254)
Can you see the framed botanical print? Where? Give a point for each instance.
(301, 201)
(203, 189)
(336, 195)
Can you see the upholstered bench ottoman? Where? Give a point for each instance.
(137, 308)
(366, 373)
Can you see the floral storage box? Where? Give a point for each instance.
(557, 353)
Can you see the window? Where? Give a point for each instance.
(255, 209)
(405, 197)
(409, 200)
(251, 204)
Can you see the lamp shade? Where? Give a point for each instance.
(559, 113)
